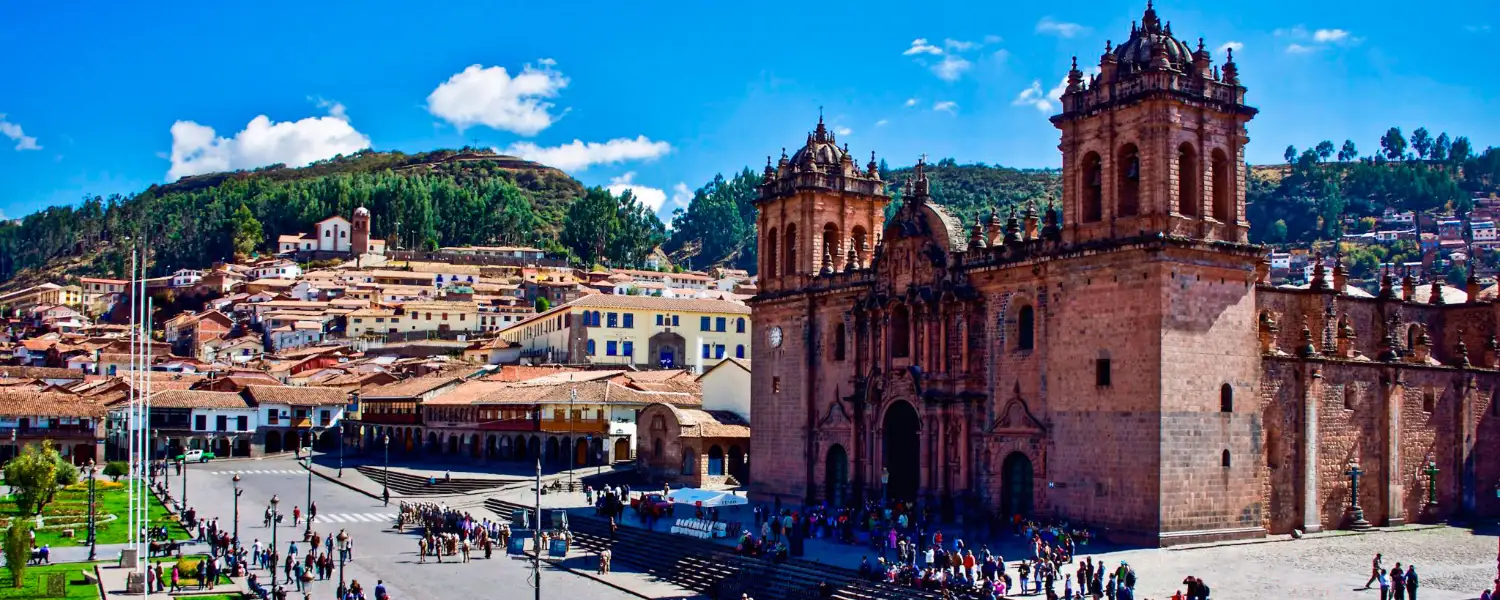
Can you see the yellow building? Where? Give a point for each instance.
(47, 293)
(372, 321)
(438, 315)
(646, 331)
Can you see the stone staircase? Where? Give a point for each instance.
(407, 484)
(700, 565)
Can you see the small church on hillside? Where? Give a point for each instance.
(333, 237)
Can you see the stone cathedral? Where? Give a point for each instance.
(1116, 358)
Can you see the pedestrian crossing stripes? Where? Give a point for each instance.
(261, 472)
(356, 518)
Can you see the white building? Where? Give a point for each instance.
(276, 269)
(333, 234)
(186, 278)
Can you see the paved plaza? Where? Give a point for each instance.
(1454, 563)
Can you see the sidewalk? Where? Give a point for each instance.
(623, 577)
(112, 581)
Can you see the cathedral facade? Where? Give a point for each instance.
(1118, 358)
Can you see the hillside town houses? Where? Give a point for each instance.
(488, 353)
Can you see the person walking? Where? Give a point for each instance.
(1411, 582)
(176, 579)
(1374, 570)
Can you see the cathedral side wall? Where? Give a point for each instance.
(1211, 435)
(1103, 463)
(778, 398)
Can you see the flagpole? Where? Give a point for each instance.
(130, 402)
(146, 426)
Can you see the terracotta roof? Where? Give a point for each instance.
(410, 388)
(49, 404)
(40, 372)
(469, 392)
(591, 392)
(296, 396)
(524, 372)
(698, 423)
(198, 399)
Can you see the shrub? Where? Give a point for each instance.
(116, 469)
(18, 550)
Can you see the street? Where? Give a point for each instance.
(379, 552)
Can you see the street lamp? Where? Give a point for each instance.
(385, 479)
(307, 533)
(1432, 472)
(182, 468)
(274, 501)
(237, 492)
(93, 543)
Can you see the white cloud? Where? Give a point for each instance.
(920, 46)
(1033, 96)
(882, 122)
(1060, 29)
(13, 131)
(682, 196)
(652, 197)
(842, 131)
(1323, 36)
(951, 68)
(2, 215)
(197, 149)
(947, 106)
(1482, 28)
(1231, 45)
(491, 97)
(959, 45)
(579, 155)
(1307, 42)
(1001, 55)
(991, 39)
(910, 102)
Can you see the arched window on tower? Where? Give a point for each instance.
(1188, 201)
(1128, 166)
(1223, 203)
(900, 332)
(1224, 459)
(1026, 328)
(831, 246)
(839, 345)
(1226, 399)
(791, 250)
(859, 239)
(772, 242)
(1092, 180)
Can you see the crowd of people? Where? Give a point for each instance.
(448, 532)
(1397, 583)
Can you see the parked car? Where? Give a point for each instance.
(198, 456)
(653, 504)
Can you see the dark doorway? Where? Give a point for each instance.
(273, 442)
(737, 465)
(1015, 491)
(580, 452)
(836, 476)
(902, 450)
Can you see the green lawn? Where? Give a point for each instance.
(72, 504)
(32, 586)
(190, 566)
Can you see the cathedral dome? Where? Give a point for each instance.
(1137, 52)
(820, 149)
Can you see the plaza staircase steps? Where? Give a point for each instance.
(700, 564)
(407, 484)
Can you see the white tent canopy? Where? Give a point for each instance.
(707, 498)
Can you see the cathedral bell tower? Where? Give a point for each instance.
(1154, 142)
(818, 212)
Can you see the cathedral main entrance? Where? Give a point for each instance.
(1015, 490)
(902, 450)
(836, 476)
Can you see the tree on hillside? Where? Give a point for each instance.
(1440, 147)
(587, 227)
(1458, 275)
(1324, 150)
(1291, 154)
(1393, 144)
(543, 304)
(1421, 141)
(602, 228)
(33, 476)
(1348, 152)
(246, 230)
(1460, 150)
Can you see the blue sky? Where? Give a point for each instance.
(104, 98)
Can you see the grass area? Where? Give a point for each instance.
(71, 506)
(32, 586)
(189, 564)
